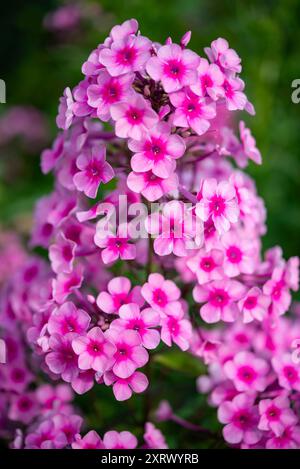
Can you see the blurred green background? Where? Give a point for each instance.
(38, 63)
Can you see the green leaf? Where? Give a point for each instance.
(181, 361)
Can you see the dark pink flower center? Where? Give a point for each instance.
(243, 419)
(123, 351)
(95, 348)
(273, 413)
(247, 374)
(159, 297)
(173, 326)
(126, 56)
(250, 302)
(234, 254)
(228, 89)
(174, 69)
(206, 82)
(219, 298)
(111, 92)
(24, 404)
(67, 253)
(207, 264)
(135, 116)
(18, 375)
(291, 374)
(217, 205)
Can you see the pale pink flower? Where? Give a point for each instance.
(254, 305)
(45, 437)
(207, 265)
(123, 388)
(94, 350)
(66, 283)
(121, 31)
(276, 415)
(107, 91)
(54, 397)
(90, 441)
(129, 355)
(154, 438)
(161, 294)
(218, 202)
(220, 297)
(157, 151)
(192, 111)
(126, 54)
(210, 80)
(233, 94)
(277, 290)
(142, 322)
(220, 53)
(65, 110)
(122, 440)
(67, 318)
(175, 328)
(240, 253)
(68, 425)
(151, 186)
(62, 254)
(133, 118)
(249, 144)
(119, 293)
(93, 170)
(247, 372)
(174, 229)
(174, 67)
(241, 418)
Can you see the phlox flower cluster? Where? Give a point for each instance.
(154, 122)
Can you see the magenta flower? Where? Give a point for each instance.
(249, 144)
(287, 371)
(45, 437)
(93, 170)
(65, 110)
(210, 81)
(254, 305)
(123, 388)
(65, 283)
(233, 94)
(174, 67)
(94, 350)
(142, 322)
(133, 119)
(220, 297)
(67, 318)
(278, 291)
(175, 328)
(162, 295)
(153, 437)
(61, 359)
(241, 419)
(276, 415)
(68, 425)
(129, 355)
(192, 111)
(290, 439)
(247, 372)
(218, 202)
(157, 151)
(62, 254)
(241, 254)
(107, 91)
(114, 246)
(122, 440)
(173, 229)
(119, 293)
(151, 186)
(207, 265)
(90, 441)
(23, 408)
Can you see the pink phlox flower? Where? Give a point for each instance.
(90, 441)
(68, 425)
(119, 293)
(157, 151)
(67, 318)
(130, 354)
(241, 418)
(254, 305)
(122, 440)
(62, 254)
(65, 110)
(123, 388)
(81, 106)
(226, 58)
(175, 328)
(107, 91)
(154, 438)
(174, 67)
(51, 156)
(219, 202)
(126, 54)
(287, 371)
(210, 80)
(276, 415)
(249, 144)
(161, 294)
(134, 118)
(289, 439)
(61, 358)
(192, 111)
(94, 350)
(114, 246)
(207, 265)
(143, 322)
(66, 283)
(94, 169)
(247, 372)
(278, 291)
(151, 186)
(23, 408)
(240, 253)
(220, 298)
